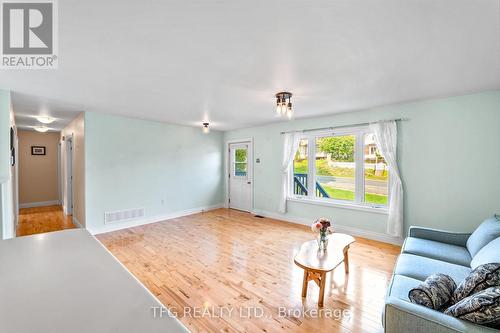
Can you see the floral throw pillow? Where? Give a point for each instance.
(482, 308)
(435, 292)
(481, 278)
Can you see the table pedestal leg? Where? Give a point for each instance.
(304, 283)
(319, 279)
(322, 285)
(346, 260)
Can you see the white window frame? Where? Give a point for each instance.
(233, 166)
(359, 193)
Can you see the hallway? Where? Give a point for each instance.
(39, 220)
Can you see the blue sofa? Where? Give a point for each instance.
(428, 251)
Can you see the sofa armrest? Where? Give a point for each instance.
(403, 316)
(454, 238)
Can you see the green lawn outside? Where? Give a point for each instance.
(300, 166)
(336, 193)
(339, 194)
(376, 198)
(323, 169)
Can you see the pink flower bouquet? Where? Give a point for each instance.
(323, 227)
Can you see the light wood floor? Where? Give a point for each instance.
(226, 259)
(38, 220)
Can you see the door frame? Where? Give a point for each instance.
(227, 169)
(68, 181)
(16, 183)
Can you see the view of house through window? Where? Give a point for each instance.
(335, 165)
(301, 169)
(376, 173)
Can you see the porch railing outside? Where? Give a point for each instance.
(300, 186)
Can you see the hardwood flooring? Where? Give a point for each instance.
(201, 266)
(38, 220)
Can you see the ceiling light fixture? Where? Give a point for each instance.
(45, 119)
(41, 129)
(284, 104)
(205, 128)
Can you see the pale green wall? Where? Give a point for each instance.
(4, 135)
(133, 163)
(449, 156)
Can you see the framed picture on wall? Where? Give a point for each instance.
(37, 150)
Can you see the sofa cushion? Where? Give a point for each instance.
(436, 250)
(420, 268)
(434, 293)
(401, 285)
(488, 254)
(480, 278)
(481, 308)
(485, 233)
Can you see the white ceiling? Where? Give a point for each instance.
(187, 61)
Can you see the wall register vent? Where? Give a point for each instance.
(123, 215)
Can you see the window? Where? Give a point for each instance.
(376, 173)
(343, 167)
(301, 169)
(240, 162)
(335, 167)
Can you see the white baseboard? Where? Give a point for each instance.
(378, 236)
(40, 204)
(77, 223)
(134, 223)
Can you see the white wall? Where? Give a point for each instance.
(166, 169)
(9, 216)
(4, 135)
(8, 173)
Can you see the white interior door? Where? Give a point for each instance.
(240, 176)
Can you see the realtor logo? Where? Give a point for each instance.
(29, 34)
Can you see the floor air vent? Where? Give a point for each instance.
(123, 215)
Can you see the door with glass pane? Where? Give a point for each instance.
(240, 176)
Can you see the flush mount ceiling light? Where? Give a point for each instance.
(205, 128)
(283, 104)
(45, 119)
(41, 129)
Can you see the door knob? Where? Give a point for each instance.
(249, 182)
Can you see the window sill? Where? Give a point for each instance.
(337, 204)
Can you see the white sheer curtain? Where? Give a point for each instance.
(290, 146)
(386, 137)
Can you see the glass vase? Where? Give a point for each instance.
(322, 240)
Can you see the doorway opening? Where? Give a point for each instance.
(42, 157)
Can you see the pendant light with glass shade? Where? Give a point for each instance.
(205, 128)
(284, 104)
(45, 119)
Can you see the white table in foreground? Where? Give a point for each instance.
(66, 281)
(317, 263)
